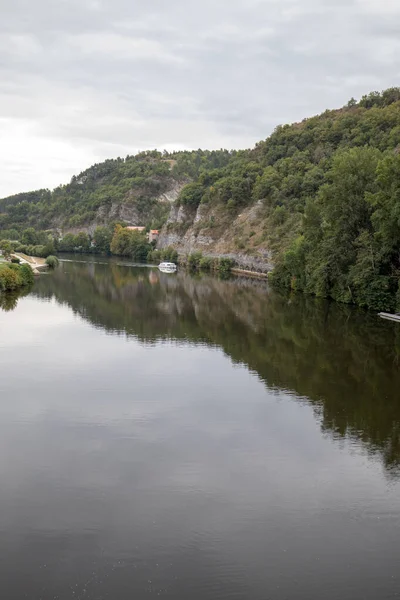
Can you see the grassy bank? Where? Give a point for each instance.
(14, 276)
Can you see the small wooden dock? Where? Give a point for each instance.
(390, 316)
(254, 274)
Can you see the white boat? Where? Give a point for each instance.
(167, 267)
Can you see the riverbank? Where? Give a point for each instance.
(35, 262)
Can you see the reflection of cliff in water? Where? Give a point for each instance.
(343, 360)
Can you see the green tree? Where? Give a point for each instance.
(191, 195)
(102, 239)
(6, 248)
(29, 236)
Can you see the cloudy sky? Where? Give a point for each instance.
(85, 80)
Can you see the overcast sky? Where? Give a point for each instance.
(85, 80)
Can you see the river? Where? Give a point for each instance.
(185, 437)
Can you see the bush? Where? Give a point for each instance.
(27, 274)
(8, 278)
(13, 276)
(206, 263)
(15, 260)
(194, 260)
(52, 262)
(191, 195)
(169, 254)
(225, 266)
(153, 256)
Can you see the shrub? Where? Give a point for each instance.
(15, 260)
(27, 274)
(194, 260)
(8, 278)
(191, 195)
(153, 256)
(52, 262)
(13, 276)
(225, 266)
(206, 263)
(169, 254)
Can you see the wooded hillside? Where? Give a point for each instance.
(326, 193)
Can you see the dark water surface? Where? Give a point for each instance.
(195, 439)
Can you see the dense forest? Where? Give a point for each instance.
(326, 191)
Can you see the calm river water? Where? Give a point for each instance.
(195, 439)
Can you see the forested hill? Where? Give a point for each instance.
(137, 189)
(320, 198)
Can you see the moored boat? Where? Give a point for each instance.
(167, 267)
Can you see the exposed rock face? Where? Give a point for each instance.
(201, 231)
(172, 194)
(118, 211)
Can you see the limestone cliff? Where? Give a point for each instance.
(215, 232)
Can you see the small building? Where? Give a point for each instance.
(153, 235)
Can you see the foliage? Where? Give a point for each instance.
(75, 243)
(168, 254)
(52, 262)
(9, 234)
(350, 247)
(194, 260)
(6, 248)
(97, 193)
(130, 243)
(206, 263)
(225, 266)
(102, 239)
(191, 195)
(13, 276)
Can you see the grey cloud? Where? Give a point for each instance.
(89, 79)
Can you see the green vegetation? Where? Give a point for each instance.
(75, 243)
(13, 276)
(225, 266)
(221, 265)
(130, 243)
(194, 260)
(349, 245)
(95, 195)
(166, 254)
(6, 248)
(52, 262)
(102, 239)
(325, 194)
(206, 263)
(30, 242)
(328, 195)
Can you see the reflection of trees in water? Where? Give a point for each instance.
(343, 360)
(9, 300)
